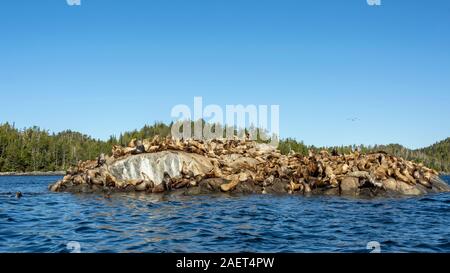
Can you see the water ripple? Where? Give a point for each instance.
(45, 222)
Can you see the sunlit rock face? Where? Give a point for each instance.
(154, 166)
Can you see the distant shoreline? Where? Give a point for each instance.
(57, 173)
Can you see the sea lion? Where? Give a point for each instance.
(417, 175)
(101, 160)
(401, 177)
(167, 181)
(164, 185)
(229, 186)
(148, 181)
(139, 149)
(306, 188)
(107, 195)
(159, 188)
(78, 180)
(425, 183)
(132, 143)
(110, 181)
(142, 186)
(296, 187)
(334, 152)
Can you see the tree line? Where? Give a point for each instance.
(35, 149)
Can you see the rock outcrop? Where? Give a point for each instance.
(196, 167)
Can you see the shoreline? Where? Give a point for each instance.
(56, 173)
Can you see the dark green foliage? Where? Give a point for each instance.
(33, 149)
(147, 131)
(437, 155)
(289, 144)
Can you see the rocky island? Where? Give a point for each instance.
(166, 165)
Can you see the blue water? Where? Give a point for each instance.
(46, 222)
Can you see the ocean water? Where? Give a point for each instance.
(42, 221)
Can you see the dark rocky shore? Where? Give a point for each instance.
(235, 166)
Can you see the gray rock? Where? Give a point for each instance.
(278, 186)
(349, 185)
(247, 187)
(390, 184)
(407, 189)
(331, 191)
(154, 165)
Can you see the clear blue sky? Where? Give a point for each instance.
(109, 66)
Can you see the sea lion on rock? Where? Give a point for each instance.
(101, 160)
(417, 175)
(148, 181)
(341, 169)
(390, 184)
(306, 188)
(110, 181)
(183, 183)
(141, 186)
(78, 180)
(132, 143)
(411, 179)
(297, 187)
(334, 152)
(269, 181)
(139, 148)
(229, 186)
(162, 187)
(401, 177)
(167, 181)
(425, 183)
(380, 173)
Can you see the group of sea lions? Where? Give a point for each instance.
(236, 165)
